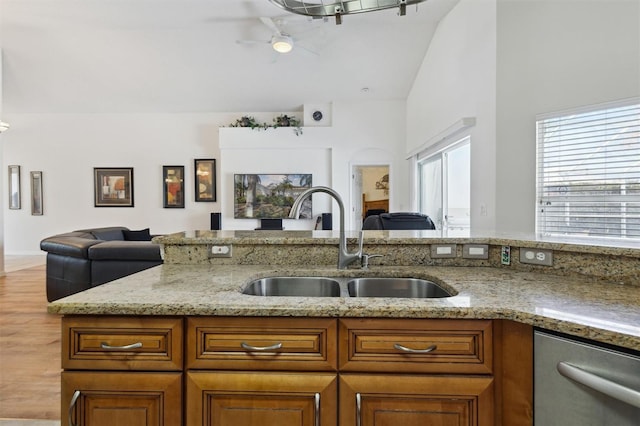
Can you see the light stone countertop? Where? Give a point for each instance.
(580, 306)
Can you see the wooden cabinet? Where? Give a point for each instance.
(416, 346)
(289, 344)
(295, 371)
(122, 371)
(441, 372)
(261, 399)
(122, 398)
(412, 400)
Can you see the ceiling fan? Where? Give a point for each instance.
(281, 41)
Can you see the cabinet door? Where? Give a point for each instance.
(384, 400)
(121, 399)
(261, 399)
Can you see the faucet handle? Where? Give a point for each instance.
(364, 259)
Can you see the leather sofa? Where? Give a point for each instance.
(400, 220)
(86, 258)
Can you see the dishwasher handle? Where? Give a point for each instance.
(600, 384)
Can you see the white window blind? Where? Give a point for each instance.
(589, 172)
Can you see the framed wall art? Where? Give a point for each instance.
(113, 186)
(36, 194)
(173, 180)
(205, 177)
(270, 196)
(14, 188)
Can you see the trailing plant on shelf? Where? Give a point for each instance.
(285, 121)
(279, 121)
(248, 121)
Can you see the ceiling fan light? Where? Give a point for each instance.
(282, 43)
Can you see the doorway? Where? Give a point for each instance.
(370, 192)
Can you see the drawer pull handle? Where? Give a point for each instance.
(415, 351)
(316, 398)
(358, 409)
(260, 348)
(107, 346)
(600, 384)
(72, 405)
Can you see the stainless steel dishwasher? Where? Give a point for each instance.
(581, 384)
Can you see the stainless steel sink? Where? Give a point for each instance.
(395, 287)
(294, 286)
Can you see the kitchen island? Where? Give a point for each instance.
(589, 292)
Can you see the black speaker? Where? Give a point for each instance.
(216, 221)
(327, 222)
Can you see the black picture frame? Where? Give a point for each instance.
(205, 179)
(173, 185)
(113, 186)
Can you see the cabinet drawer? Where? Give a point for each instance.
(262, 344)
(423, 346)
(123, 343)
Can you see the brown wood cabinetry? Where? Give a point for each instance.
(122, 371)
(296, 371)
(415, 400)
(122, 398)
(261, 399)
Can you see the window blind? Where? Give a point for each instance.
(588, 172)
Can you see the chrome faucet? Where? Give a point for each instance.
(344, 257)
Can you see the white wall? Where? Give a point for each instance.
(362, 133)
(457, 80)
(553, 55)
(66, 147)
(2, 181)
(503, 62)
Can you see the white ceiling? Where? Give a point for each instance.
(124, 56)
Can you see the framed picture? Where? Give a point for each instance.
(205, 177)
(113, 186)
(14, 188)
(36, 194)
(173, 178)
(270, 196)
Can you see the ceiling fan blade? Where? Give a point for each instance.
(271, 25)
(253, 41)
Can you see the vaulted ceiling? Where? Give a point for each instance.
(125, 56)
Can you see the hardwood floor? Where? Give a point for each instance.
(29, 348)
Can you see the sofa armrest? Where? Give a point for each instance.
(125, 250)
(68, 246)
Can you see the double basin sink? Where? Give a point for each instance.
(351, 287)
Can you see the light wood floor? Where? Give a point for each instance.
(29, 348)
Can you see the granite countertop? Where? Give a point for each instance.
(580, 306)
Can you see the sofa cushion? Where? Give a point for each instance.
(109, 233)
(125, 250)
(68, 245)
(141, 235)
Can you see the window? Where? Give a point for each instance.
(444, 179)
(588, 170)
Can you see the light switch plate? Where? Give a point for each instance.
(475, 251)
(443, 251)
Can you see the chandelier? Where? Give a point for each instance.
(327, 8)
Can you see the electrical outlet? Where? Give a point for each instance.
(536, 256)
(220, 251)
